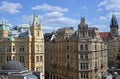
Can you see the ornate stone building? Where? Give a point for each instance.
(23, 44)
(112, 39)
(80, 54)
(48, 37)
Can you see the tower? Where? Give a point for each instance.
(37, 46)
(114, 27)
(4, 30)
(82, 29)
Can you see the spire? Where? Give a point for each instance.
(114, 23)
(35, 19)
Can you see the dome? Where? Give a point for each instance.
(13, 65)
(31, 76)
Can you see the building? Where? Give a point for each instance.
(80, 54)
(112, 39)
(105, 36)
(15, 70)
(47, 38)
(24, 44)
(114, 27)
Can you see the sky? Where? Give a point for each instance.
(55, 14)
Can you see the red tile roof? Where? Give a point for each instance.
(104, 35)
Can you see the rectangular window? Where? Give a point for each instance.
(22, 49)
(81, 56)
(41, 58)
(84, 65)
(21, 58)
(37, 48)
(84, 75)
(41, 48)
(13, 48)
(37, 58)
(86, 56)
(8, 58)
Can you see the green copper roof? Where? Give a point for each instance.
(35, 19)
(4, 27)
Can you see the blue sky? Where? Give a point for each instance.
(56, 14)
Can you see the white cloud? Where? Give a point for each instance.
(100, 19)
(99, 9)
(9, 7)
(53, 20)
(49, 28)
(117, 14)
(27, 18)
(46, 7)
(53, 15)
(110, 5)
(101, 27)
(107, 17)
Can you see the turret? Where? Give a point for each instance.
(4, 30)
(37, 45)
(114, 27)
(83, 28)
(114, 23)
(36, 27)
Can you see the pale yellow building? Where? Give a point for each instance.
(24, 44)
(79, 54)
